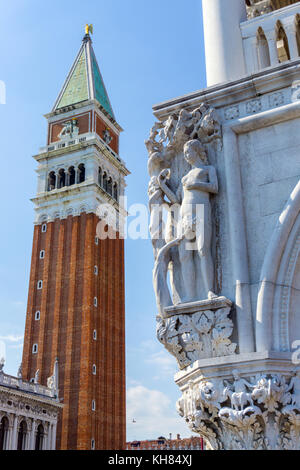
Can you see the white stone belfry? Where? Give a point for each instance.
(223, 40)
(224, 166)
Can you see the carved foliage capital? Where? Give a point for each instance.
(245, 413)
(200, 335)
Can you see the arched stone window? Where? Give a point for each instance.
(51, 181)
(115, 192)
(263, 53)
(22, 435)
(3, 433)
(39, 440)
(100, 177)
(110, 186)
(104, 181)
(61, 179)
(71, 179)
(81, 173)
(282, 43)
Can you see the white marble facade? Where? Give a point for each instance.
(28, 414)
(239, 373)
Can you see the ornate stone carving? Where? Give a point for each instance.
(70, 130)
(232, 112)
(181, 184)
(259, 7)
(276, 99)
(253, 106)
(37, 377)
(202, 334)
(52, 382)
(295, 91)
(245, 413)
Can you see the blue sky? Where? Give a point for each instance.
(148, 52)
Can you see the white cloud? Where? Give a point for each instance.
(154, 413)
(12, 338)
(163, 362)
(16, 346)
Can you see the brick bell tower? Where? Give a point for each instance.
(76, 294)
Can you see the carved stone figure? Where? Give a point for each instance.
(197, 186)
(37, 377)
(52, 382)
(295, 387)
(107, 136)
(2, 364)
(180, 187)
(69, 130)
(240, 397)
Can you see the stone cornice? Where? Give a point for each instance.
(81, 146)
(31, 397)
(70, 191)
(250, 86)
(85, 106)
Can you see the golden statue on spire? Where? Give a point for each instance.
(89, 29)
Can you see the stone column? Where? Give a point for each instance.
(238, 242)
(245, 404)
(14, 434)
(272, 43)
(53, 437)
(8, 443)
(32, 435)
(49, 437)
(221, 21)
(46, 436)
(56, 180)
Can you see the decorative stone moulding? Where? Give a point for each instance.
(197, 330)
(243, 406)
(243, 396)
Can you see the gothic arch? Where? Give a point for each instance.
(4, 427)
(277, 318)
(282, 43)
(263, 53)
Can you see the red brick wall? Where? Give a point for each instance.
(85, 125)
(65, 330)
(100, 127)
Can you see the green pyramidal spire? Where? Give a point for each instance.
(84, 81)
